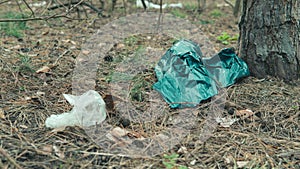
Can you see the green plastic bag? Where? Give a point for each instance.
(185, 79)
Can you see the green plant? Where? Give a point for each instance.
(205, 22)
(178, 13)
(131, 40)
(25, 65)
(234, 38)
(13, 28)
(295, 107)
(225, 38)
(116, 76)
(216, 13)
(141, 85)
(22, 88)
(191, 6)
(170, 162)
(139, 53)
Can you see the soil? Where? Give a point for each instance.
(267, 111)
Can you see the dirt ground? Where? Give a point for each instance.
(268, 136)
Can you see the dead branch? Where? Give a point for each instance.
(32, 13)
(77, 3)
(4, 2)
(229, 3)
(65, 15)
(35, 18)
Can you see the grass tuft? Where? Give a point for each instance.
(13, 28)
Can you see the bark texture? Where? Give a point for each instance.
(269, 38)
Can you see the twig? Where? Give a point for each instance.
(19, 6)
(280, 141)
(45, 9)
(2, 151)
(104, 154)
(60, 56)
(35, 18)
(287, 154)
(229, 3)
(4, 2)
(77, 3)
(32, 13)
(55, 15)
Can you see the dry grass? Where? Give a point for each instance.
(268, 139)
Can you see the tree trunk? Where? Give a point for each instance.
(269, 38)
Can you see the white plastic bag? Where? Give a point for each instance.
(89, 109)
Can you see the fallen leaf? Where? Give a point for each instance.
(47, 149)
(59, 153)
(81, 60)
(112, 138)
(226, 122)
(44, 69)
(45, 33)
(222, 5)
(119, 132)
(27, 98)
(23, 126)
(40, 93)
(64, 141)
(120, 46)
(2, 116)
(14, 130)
(32, 55)
(116, 135)
(227, 160)
(259, 80)
(59, 129)
(182, 150)
(243, 114)
(16, 47)
(69, 41)
(241, 164)
(73, 47)
(193, 162)
(85, 52)
(134, 134)
(34, 97)
(8, 50)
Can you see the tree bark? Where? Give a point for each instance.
(269, 38)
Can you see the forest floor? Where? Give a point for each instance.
(267, 135)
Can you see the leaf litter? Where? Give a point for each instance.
(270, 140)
